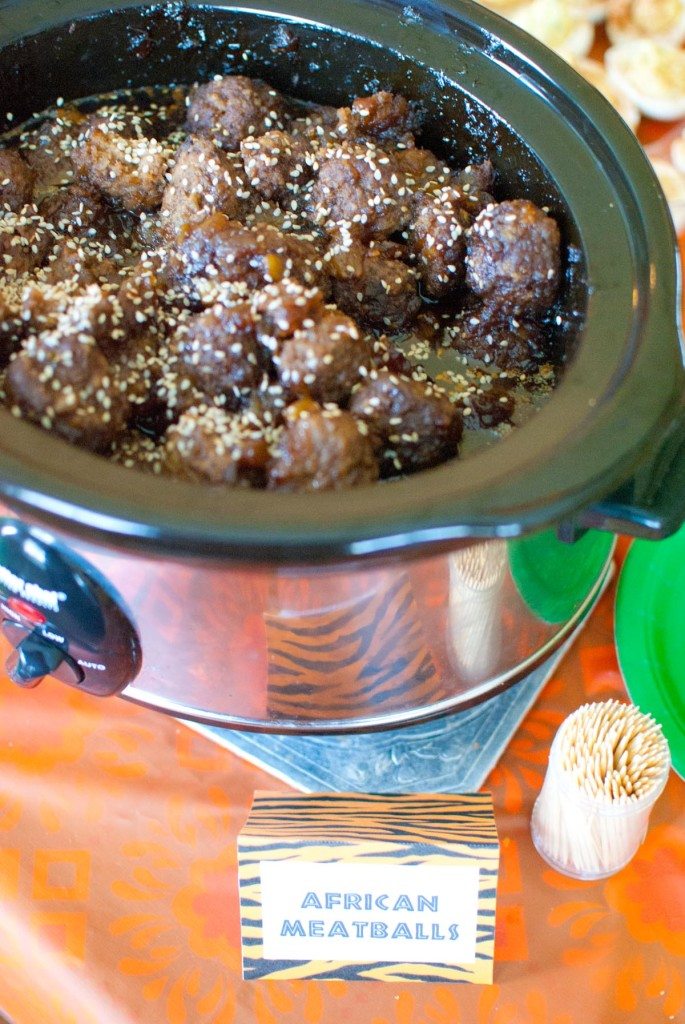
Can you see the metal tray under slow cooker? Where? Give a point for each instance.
(292, 612)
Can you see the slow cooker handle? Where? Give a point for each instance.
(652, 504)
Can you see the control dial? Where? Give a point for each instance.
(34, 658)
(62, 618)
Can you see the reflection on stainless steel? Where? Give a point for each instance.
(365, 650)
(474, 621)
(213, 650)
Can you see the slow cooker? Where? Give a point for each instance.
(385, 604)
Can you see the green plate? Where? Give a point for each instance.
(650, 635)
(554, 578)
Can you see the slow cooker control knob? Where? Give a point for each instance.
(35, 658)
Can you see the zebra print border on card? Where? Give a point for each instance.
(346, 828)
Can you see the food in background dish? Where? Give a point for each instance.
(660, 20)
(558, 25)
(677, 152)
(652, 75)
(673, 183)
(643, 73)
(595, 73)
(594, 10)
(234, 287)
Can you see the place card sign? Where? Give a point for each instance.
(369, 887)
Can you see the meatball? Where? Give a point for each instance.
(276, 163)
(76, 209)
(507, 344)
(283, 308)
(325, 360)
(219, 353)
(513, 257)
(114, 317)
(11, 328)
(248, 257)
(25, 241)
(423, 170)
(64, 382)
(47, 148)
(16, 181)
(229, 109)
(137, 301)
(81, 261)
(411, 424)
(321, 449)
(90, 312)
(475, 182)
(359, 189)
(128, 171)
(136, 451)
(208, 444)
(138, 369)
(204, 180)
(487, 406)
(383, 297)
(42, 306)
(384, 115)
(317, 125)
(437, 239)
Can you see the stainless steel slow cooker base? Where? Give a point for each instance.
(464, 694)
(327, 649)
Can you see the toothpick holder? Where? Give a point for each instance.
(591, 835)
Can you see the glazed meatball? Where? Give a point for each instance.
(276, 163)
(16, 181)
(411, 424)
(26, 240)
(321, 449)
(475, 183)
(359, 189)
(229, 109)
(317, 125)
(64, 382)
(437, 239)
(11, 328)
(384, 296)
(42, 306)
(80, 261)
(47, 148)
(115, 317)
(210, 445)
(218, 351)
(248, 257)
(76, 209)
(159, 392)
(283, 308)
(326, 360)
(140, 296)
(204, 180)
(507, 344)
(128, 171)
(384, 115)
(136, 451)
(487, 406)
(513, 257)
(423, 170)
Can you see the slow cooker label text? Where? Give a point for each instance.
(31, 592)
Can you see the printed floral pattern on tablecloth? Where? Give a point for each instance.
(642, 909)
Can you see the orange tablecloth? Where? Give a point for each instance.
(118, 900)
